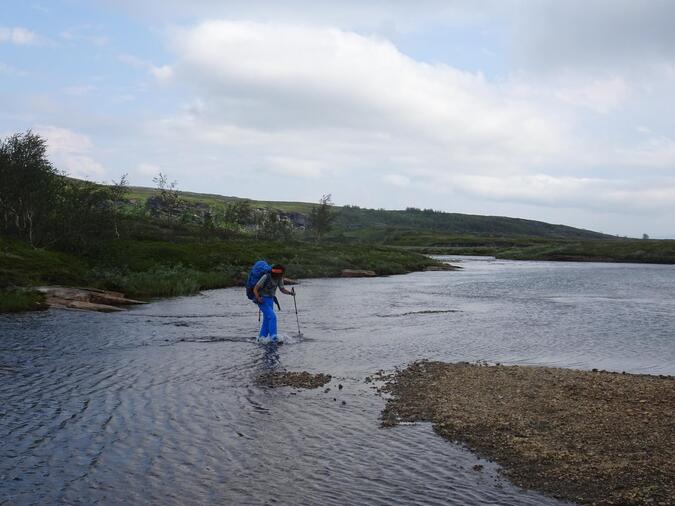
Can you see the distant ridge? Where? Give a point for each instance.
(356, 221)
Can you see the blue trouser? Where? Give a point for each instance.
(269, 323)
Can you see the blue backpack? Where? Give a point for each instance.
(259, 269)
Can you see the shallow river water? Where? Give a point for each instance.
(158, 405)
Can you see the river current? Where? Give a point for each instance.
(158, 405)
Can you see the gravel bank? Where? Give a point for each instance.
(302, 379)
(590, 437)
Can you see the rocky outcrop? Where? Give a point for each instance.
(443, 267)
(355, 273)
(87, 299)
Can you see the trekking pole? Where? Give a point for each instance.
(296, 312)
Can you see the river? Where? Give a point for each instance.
(158, 405)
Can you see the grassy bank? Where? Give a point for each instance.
(155, 268)
(16, 300)
(615, 250)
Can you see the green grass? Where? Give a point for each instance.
(22, 265)
(14, 301)
(375, 225)
(152, 268)
(162, 281)
(617, 250)
(158, 268)
(636, 250)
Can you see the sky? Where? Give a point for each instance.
(555, 111)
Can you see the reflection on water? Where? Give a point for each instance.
(159, 404)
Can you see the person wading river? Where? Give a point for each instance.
(264, 291)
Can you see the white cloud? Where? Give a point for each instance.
(295, 167)
(297, 99)
(163, 73)
(84, 167)
(544, 190)
(62, 140)
(307, 94)
(396, 180)
(148, 169)
(71, 151)
(270, 76)
(18, 36)
(600, 95)
(656, 153)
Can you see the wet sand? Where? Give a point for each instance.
(592, 437)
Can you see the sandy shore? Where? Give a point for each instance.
(588, 437)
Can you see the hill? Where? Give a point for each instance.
(377, 225)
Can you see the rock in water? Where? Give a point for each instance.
(355, 273)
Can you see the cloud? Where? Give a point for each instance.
(148, 169)
(277, 77)
(18, 36)
(552, 34)
(655, 152)
(297, 99)
(70, 151)
(294, 167)
(544, 190)
(396, 180)
(163, 73)
(366, 15)
(600, 95)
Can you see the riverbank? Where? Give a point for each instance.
(144, 269)
(560, 250)
(590, 437)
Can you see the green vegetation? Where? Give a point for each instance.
(42, 207)
(627, 250)
(163, 242)
(14, 301)
(321, 217)
(532, 248)
(151, 268)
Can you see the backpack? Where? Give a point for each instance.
(259, 269)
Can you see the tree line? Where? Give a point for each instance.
(44, 207)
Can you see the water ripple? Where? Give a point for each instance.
(159, 405)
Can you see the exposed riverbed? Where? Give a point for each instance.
(160, 404)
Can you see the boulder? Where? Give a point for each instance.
(88, 299)
(355, 273)
(443, 267)
(59, 303)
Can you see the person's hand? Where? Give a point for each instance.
(259, 299)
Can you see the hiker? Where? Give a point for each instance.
(264, 291)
